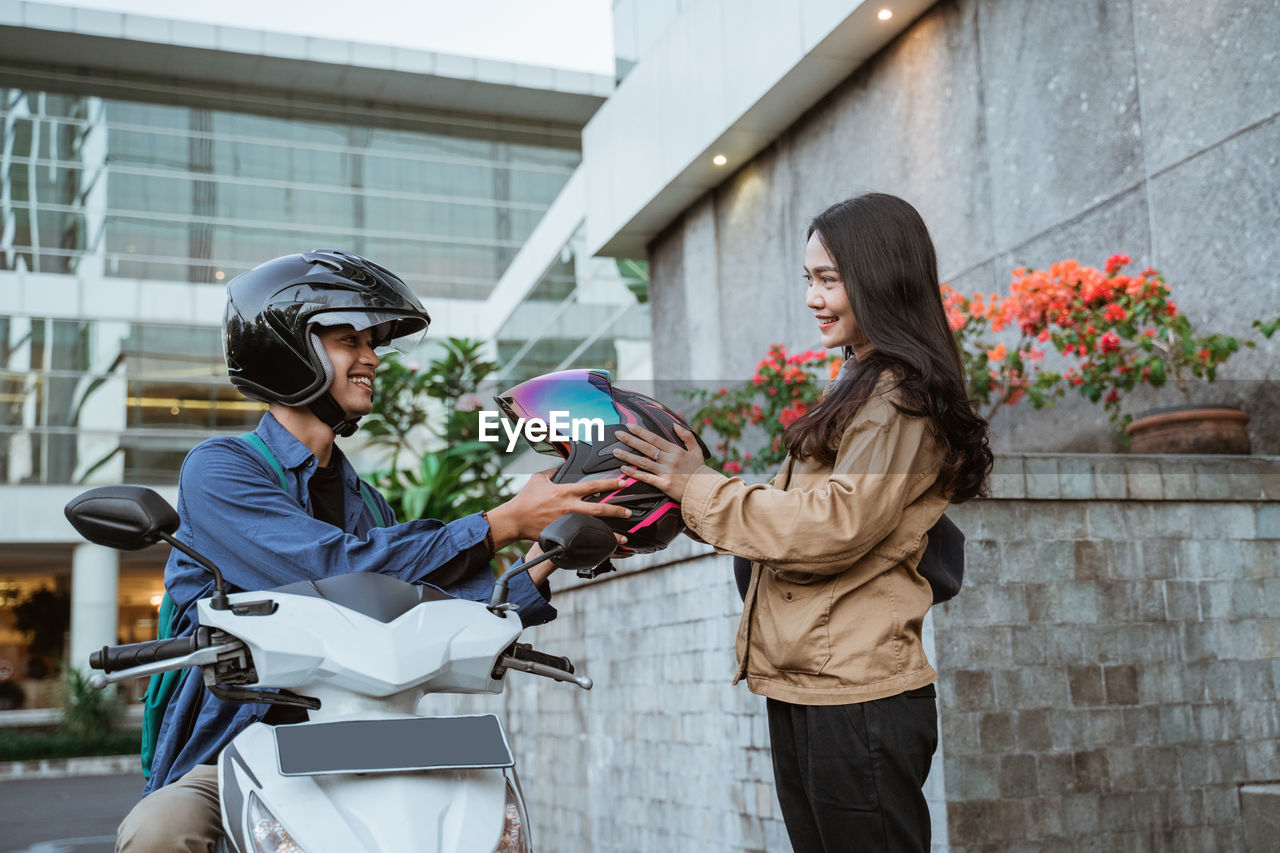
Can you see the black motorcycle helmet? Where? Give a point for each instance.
(655, 518)
(271, 351)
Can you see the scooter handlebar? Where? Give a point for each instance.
(115, 658)
(526, 652)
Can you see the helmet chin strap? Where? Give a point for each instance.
(327, 410)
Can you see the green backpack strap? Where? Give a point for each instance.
(366, 493)
(160, 690)
(252, 439)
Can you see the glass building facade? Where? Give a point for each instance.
(583, 312)
(115, 183)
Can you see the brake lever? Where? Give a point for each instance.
(533, 668)
(200, 657)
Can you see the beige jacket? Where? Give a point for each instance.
(835, 606)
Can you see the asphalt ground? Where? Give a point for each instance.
(71, 815)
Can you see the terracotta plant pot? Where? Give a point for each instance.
(1189, 429)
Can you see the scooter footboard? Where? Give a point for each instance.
(457, 809)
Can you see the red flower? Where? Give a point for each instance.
(1115, 313)
(1115, 262)
(791, 413)
(1112, 397)
(734, 468)
(1109, 343)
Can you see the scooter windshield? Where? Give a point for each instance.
(567, 394)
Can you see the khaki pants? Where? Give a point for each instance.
(181, 816)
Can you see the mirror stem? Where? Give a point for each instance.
(499, 596)
(219, 589)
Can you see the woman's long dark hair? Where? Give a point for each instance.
(890, 272)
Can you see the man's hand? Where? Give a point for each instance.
(541, 502)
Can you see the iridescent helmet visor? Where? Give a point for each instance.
(569, 394)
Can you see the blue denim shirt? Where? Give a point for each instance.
(234, 512)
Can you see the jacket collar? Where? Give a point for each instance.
(288, 450)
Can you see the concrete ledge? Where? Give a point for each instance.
(61, 768)
(1260, 811)
(1139, 477)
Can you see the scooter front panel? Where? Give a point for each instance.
(427, 811)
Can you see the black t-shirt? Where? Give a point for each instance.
(326, 495)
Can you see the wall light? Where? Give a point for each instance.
(219, 275)
(719, 159)
(885, 14)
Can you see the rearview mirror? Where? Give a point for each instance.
(582, 541)
(574, 541)
(124, 517)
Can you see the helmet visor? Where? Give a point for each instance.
(403, 333)
(562, 397)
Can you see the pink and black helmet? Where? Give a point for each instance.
(588, 394)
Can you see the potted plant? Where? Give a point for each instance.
(1102, 333)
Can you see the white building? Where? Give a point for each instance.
(144, 162)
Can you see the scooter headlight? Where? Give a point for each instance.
(515, 828)
(266, 834)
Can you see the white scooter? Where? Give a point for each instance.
(365, 772)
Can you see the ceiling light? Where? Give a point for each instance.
(885, 14)
(719, 159)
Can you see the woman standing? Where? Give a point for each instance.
(831, 624)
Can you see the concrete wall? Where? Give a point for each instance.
(1025, 131)
(1108, 676)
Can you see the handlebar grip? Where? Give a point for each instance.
(526, 652)
(114, 658)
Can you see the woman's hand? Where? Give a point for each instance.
(659, 462)
(541, 502)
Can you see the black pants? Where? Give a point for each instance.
(850, 777)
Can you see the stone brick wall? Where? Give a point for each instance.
(1108, 676)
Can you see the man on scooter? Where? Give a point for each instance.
(283, 504)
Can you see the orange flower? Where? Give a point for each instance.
(1115, 313)
(997, 354)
